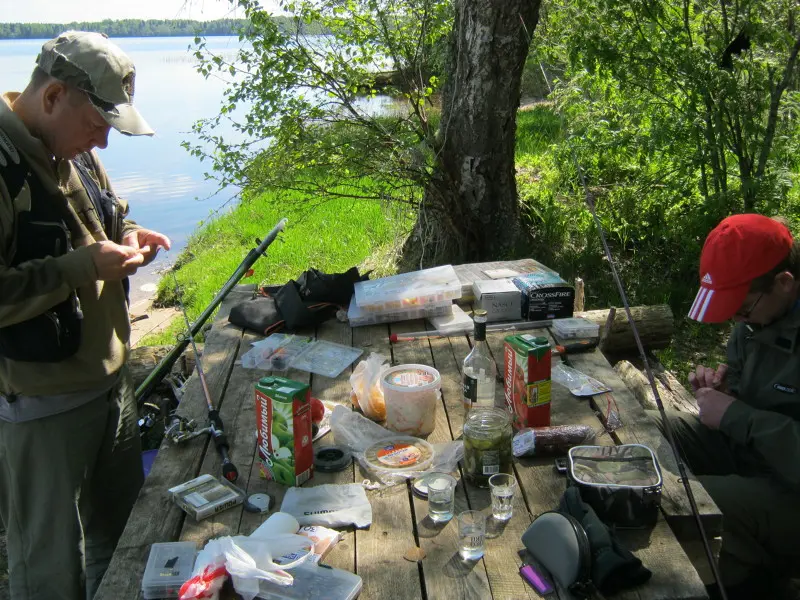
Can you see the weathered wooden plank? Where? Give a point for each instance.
(380, 549)
(659, 550)
(444, 573)
(154, 517)
(503, 540)
(639, 429)
(238, 417)
(257, 484)
(343, 556)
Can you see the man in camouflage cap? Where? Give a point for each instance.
(70, 456)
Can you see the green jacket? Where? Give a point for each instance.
(37, 286)
(764, 374)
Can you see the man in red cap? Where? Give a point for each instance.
(745, 445)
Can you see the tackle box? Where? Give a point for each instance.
(409, 290)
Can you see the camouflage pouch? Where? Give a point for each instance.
(621, 483)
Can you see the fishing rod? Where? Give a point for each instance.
(165, 366)
(215, 427)
(684, 477)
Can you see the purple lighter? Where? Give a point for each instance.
(536, 579)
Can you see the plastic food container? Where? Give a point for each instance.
(359, 317)
(411, 393)
(402, 453)
(169, 566)
(408, 290)
(574, 328)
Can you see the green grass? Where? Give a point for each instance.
(332, 237)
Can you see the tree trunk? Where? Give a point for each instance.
(470, 210)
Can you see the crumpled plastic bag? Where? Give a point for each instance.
(355, 432)
(367, 394)
(576, 382)
(247, 560)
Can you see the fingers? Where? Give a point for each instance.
(694, 381)
(719, 376)
(160, 239)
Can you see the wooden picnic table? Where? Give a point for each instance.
(399, 517)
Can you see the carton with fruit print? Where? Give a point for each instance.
(283, 417)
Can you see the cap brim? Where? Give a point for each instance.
(126, 119)
(717, 306)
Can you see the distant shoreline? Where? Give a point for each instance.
(128, 28)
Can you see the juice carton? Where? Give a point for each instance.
(527, 380)
(283, 417)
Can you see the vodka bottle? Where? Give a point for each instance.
(480, 372)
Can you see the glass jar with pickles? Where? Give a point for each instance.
(487, 444)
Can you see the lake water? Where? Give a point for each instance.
(162, 182)
(164, 185)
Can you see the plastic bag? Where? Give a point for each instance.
(334, 505)
(355, 432)
(247, 560)
(576, 382)
(367, 394)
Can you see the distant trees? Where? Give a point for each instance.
(147, 28)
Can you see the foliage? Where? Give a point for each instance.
(672, 130)
(311, 100)
(331, 237)
(147, 28)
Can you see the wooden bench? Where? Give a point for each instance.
(376, 554)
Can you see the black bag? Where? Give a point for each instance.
(45, 230)
(580, 551)
(312, 299)
(621, 483)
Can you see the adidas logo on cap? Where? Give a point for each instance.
(707, 279)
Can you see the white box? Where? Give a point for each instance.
(500, 298)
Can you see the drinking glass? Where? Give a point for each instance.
(441, 497)
(503, 488)
(471, 534)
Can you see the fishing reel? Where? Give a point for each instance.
(182, 429)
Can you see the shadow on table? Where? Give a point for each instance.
(428, 528)
(494, 527)
(457, 567)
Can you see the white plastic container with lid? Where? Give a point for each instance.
(574, 328)
(411, 393)
(409, 290)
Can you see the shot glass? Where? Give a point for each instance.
(471, 534)
(441, 497)
(503, 488)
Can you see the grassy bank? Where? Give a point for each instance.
(331, 237)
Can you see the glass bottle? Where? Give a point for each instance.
(480, 372)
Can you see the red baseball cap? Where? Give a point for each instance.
(738, 250)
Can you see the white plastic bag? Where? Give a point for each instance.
(247, 560)
(367, 393)
(330, 504)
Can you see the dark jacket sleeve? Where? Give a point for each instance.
(772, 435)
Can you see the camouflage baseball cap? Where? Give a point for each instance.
(91, 62)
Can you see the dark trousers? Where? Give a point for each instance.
(67, 485)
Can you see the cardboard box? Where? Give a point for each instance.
(545, 296)
(283, 418)
(500, 298)
(526, 378)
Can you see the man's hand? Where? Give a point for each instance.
(705, 377)
(114, 262)
(147, 243)
(712, 405)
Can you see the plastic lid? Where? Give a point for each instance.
(414, 377)
(400, 453)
